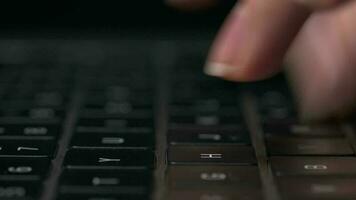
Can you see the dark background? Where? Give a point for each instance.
(107, 16)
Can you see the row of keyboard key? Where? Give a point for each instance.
(111, 153)
(309, 161)
(33, 105)
(209, 150)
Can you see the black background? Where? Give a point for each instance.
(106, 15)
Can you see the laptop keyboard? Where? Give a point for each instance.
(90, 133)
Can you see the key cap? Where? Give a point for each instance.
(204, 107)
(186, 177)
(116, 122)
(215, 194)
(49, 98)
(126, 95)
(110, 111)
(109, 158)
(106, 178)
(112, 140)
(131, 192)
(317, 188)
(11, 167)
(205, 136)
(44, 113)
(223, 155)
(287, 166)
(291, 127)
(205, 120)
(273, 98)
(308, 146)
(113, 130)
(276, 105)
(12, 189)
(33, 113)
(28, 127)
(205, 129)
(107, 195)
(196, 98)
(28, 147)
(105, 183)
(97, 100)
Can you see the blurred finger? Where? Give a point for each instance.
(319, 4)
(323, 64)
(254, 39)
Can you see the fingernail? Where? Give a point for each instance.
(218, 69)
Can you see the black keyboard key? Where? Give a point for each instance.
(112, 112)
(44, 113)
(35, 113)
(109, 158)
(36, 167)
(205, 120)
(223, 155)
(205, 136)
(195, 95)
(112, 140)
(28, 127)
(27, 147)
(49, 98)
(20, 190)
(294, 166)
(216, 193)
(308, 146)
(116, 122)
(291, 127)
(186, 177)
(276, 105)
(106, 178)
(205, 107)
(317, 188)
(98, 100)
(113, 130)
(130, 193)
(205, 129)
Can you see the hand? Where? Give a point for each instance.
(316, 38)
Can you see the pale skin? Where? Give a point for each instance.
(315, 38)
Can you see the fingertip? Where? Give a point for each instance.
(254, 39)
(236, 73)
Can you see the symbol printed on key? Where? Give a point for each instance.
(217, 176)
(105, 181)
(27, 149)
(315, 167)
(215, 137)
(211, 156)
(112, 140)
(20, 169)
(103, 160)
(35, 131)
